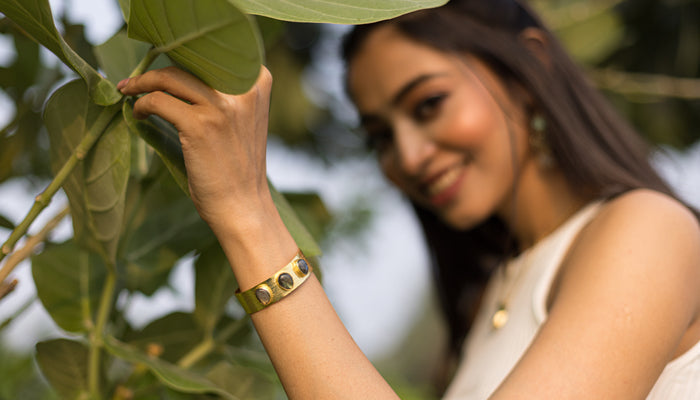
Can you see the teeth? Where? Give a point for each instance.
(443, 182)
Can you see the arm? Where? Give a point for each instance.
(626, 303)
(224, 143)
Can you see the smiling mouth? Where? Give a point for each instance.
(443, 183)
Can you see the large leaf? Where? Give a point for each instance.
(170, 375)
(594, 39)
(214, 286)
(174, 334)
(96, 188)
(210, 38)
(301, 235)
(334, 11)
(34, 16)
(69, 283)
(64, 364)
(249, 383)
(163, 227)
(165, 141)
(119, 55)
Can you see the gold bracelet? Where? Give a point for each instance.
(274, 289)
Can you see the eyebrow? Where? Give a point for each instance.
(407, 88)
(402, 93)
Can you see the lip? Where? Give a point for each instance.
(442, 188)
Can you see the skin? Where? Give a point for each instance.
(454, 138)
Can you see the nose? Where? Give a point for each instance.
(413, 149)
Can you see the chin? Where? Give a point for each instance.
(462, 222)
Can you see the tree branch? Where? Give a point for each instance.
(26, 251)
(641, 84)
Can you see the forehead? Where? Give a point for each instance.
(388, 60)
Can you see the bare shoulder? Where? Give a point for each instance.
(626, 302)
(641, 242)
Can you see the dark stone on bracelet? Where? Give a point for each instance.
(263, 295)
(285, 281)
(303, 266)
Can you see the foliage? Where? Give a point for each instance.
(127, 191)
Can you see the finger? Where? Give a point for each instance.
(172, 80)
(165, 106)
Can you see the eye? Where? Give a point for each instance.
(428, 108)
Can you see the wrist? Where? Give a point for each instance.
(255, 240)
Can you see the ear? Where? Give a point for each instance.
(536, 41)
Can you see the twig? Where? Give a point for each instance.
(640, 84)
(19, 255)
(7, 288)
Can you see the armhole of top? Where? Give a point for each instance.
(571, 230)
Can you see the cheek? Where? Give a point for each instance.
(390, 170)
(468, 122)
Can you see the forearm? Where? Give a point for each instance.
(312, 352)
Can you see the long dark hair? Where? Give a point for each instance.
(600, 155)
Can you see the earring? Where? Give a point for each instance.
(538, 141)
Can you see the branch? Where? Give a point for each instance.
(26, 251)
(636, 84)
(7, 288)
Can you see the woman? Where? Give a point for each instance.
(539, 205)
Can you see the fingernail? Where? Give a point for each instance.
(122, 83)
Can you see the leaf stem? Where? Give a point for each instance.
(43, 199)
(208, 344)
(96, 341)
(145, 62)
(197, 353)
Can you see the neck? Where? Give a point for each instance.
(542, 202)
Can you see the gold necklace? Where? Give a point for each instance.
(500, 316)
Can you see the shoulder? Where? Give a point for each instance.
(640, 243)
(622, 306)
(643, 220)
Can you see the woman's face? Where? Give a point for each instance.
(439, 125)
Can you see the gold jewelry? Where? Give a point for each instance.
(274, 289)
(501, 315)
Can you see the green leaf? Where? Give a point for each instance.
(165, 141)
(163, 227)
(309, 207)
(334, 11)
(592, 40)
(34, 16)
(175, 334)
(247, 384)
(64, 364)
(119, 55)
(125, 6)
(169, 374)
(210, 38)
(301, 235)
(214, 286)
(96, 188)
(69, 283)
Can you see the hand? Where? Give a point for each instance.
(223, 137)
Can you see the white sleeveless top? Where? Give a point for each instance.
(490, 354)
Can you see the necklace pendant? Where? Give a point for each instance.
(500, 317)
